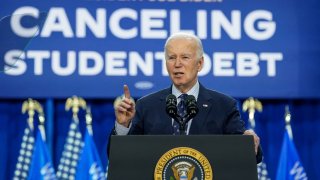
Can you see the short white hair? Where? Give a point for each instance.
(181, 35)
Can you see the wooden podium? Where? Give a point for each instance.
(160, 157)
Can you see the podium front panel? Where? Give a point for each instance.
(135, 157)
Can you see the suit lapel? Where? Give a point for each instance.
(204, 105)
(164, 118)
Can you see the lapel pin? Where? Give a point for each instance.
(205, 105)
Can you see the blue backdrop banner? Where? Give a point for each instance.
(265, 48)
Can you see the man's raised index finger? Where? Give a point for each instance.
(126, 91)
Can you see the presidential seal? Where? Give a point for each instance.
(183, 163)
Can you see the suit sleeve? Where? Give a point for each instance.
(234, 125)
(137, 122)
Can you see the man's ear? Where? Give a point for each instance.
(200, 64)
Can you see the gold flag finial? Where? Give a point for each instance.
(75, 103)
(32, 106)
(251, 105)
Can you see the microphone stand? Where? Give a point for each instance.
(171, 109)
(182, 124)
(182, 121)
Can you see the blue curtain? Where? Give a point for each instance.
(269, 125)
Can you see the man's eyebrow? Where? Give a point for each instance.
(186, 54)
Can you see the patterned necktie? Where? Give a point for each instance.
(182, 111)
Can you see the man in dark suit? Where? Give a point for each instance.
(218, 113)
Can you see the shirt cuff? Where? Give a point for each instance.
(121, 130)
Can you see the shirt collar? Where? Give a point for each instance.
(193, 91)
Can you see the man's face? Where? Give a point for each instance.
(182, 63)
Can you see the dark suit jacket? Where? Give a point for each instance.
(218, 114)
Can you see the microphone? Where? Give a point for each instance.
(171, 106)
(192, 108)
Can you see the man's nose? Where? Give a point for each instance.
(178, 62)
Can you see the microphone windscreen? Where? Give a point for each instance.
(171, 100)
(191, 103)
(191, 98)
(171, 105)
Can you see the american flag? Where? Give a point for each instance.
(71, 152)
(25, 154)
(262, 171)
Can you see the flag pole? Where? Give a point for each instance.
(289, 166)
(287, 118)
(74, 143)
(252, 105)
(89, 120)
(29, 106)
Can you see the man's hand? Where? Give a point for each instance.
(256, 139)
(125, 110)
